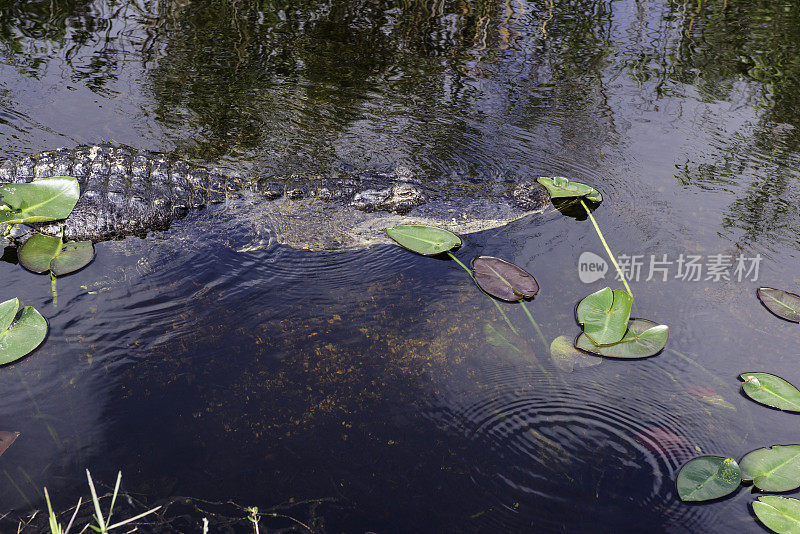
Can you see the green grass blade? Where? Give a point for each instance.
(134, 518)
(114, 496)
(74, 515)
(96, 501)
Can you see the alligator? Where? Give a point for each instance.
(130, 192)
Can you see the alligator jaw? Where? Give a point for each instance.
(312, 225)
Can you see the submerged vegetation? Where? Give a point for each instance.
(604, 315)
(608, 330)
(214, 71)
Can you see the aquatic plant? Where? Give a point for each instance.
(431, 241)
(709, 395)
(775, 468)
(20, 337)
(502, 279)
(604, 315)
(560, 187)
(253, 518)
(609, 331)
(643, 338)
(567, 358)
(6, 440)
(104, 523)
(42, 200)
(506, 281)
(55, 526)
(781, 303)
(494, 276)
(708, 477)
(42, 253)
(779, 514)
(771, 390)
(423, 239)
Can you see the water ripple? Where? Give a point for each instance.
(551, 441)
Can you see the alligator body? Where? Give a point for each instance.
(130, 192)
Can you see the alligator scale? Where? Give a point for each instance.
(128, 192)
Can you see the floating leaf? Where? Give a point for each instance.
(43, 253)
(46, 199)
(503, 279)
(708, 477)
(560, 187)
(775, 468)
(422, 239)
(779, 514)
(643, 339)
(604, 315)
(771, 390)
(784, 305)
(567, 358)
(8, 310)
(38, 251)
(21, 337)
(6, 440)
(709, 395)
(74, 256)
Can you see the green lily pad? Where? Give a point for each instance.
(8, 310)
(503, 279)
(708, 477)
(567, 358)
(604, 315)
(21, 337)
(6, 440)
(781, 303)
(779, 514)
(422, 239)
(43, 253)
(560, 187)
(643, 339)
(775, 468)
(42, 200)
(38, 251)
(771, 390)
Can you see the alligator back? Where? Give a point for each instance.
(123, 191)
(126, 192)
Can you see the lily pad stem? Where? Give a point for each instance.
(535, 324)
(469, 272)
(53, 288)
(608, 250)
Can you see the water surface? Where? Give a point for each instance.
(356, 390)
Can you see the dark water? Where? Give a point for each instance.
(355, 390)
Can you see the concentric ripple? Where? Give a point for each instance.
(587, 447)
